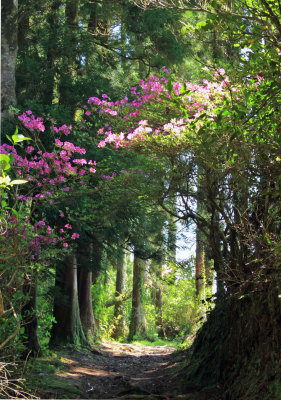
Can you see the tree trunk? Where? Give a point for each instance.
(68, 327)
(172, 233)
(85, 302)
(85, 279)
(70, 64)
(137, 323)
(52, 51)
(209, 275)
(9, 47)
(119, 317)
(199, 262)
(29, 318)
(244, 338)
(159, 302)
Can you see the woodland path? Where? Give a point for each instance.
(117, 371)
(123, 371)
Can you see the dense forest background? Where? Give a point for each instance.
(132, 132)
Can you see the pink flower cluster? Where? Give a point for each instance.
(30, 122)
(63, 129)
(48, 171)
(195, 99)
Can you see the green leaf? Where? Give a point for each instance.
(183, 30)
(19, 138)
(5, 162)
(9, 138)
(200, 25)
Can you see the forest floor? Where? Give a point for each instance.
(116, 371)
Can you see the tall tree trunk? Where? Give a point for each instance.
(137, 323)
(23, 27)
(85, 280)
(9, 47)
(119, 317)
(70, 64)
(199, 261)
(214, 239)
(209, 275)
(172, 233)
(68, 327)
(159, 300)
(29, 317)
(99, 27)
(51, 51)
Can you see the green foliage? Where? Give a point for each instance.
(183, 312)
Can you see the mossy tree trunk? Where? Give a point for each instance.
(172, 232)
(85, 281)
(9, 47)
(68, 327)
(52, 50)
(245, 342)
(85, 302)
(137, 322)
(70, 63)
(121, 277)
(159, 300)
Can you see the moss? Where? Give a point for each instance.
(42, 379)
(238, 348)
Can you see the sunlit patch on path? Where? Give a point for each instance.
(121, 371)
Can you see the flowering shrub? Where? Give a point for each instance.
(169, 108)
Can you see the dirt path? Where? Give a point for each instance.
(122, 371)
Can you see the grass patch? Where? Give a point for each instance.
(156, 342)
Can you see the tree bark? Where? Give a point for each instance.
(9, 47)
(137, 323)
(172, 233)
(119, 317)
(52, 51)
(199, 261)
(85, 279)
(70, 65)
(159, 301)
(68, 326)
(85, 302)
